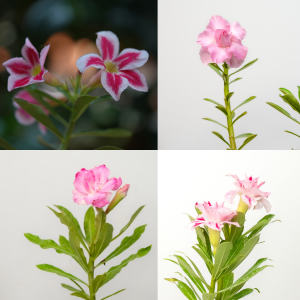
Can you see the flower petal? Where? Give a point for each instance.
(39, 77)
(110, 185)
(84, 181)
(104, 200)
(108, 45)
(101, 174)
(136, 79)
(238, 50)
(78, 197)
(131, 58)
(17, 66)
(114, 84)
(207, 37)
(23, 117)
(218, 55)
(43, 55)
(237, 30)
(263, 203)
(205, 56)
(89, 60)
(16, 81)
(230, 196)
(24, 95)
(233, 62)
(217, 22)
(29, 53)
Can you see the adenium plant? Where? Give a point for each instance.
(92, 187)
(223, 244)
(117, 72)
(221, 43)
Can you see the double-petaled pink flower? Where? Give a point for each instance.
(213, 216)
(27, 70)
(222, 42)
(118, 71)
(93, 186)
(250, 193)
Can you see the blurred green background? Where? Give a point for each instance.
(70, 26)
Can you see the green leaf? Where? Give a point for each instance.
(245, 102)
(216, 68)
(261, 224)
(103, 240)
(81, 105)
(207, 119)
(229, 95)
(89, 224)
(112, 272)
(208, 296)
(98, 282)
(242, 294)
(248, 140)
(38, 113)
(280, 109)
(205, 257)
(236, 232)
(254, 267)
(44, 143)
(52, 269)
(6, 145)
(245, 66)
(220, 137)
(214, 102)
(222, 109)
(113, 294)
(240, 116)
(235, 80)
(70, 288)
(238, 245)
(102, 99)
(125, 244)
(100, 221)
(227, 281)
(130, 222)
(284, 91)
(191, 286)
(108, 148)
(82, 295)
(291, 101)
(185, 289)
(221, 257)
(243, 135)
(110, 133)
(292, 133)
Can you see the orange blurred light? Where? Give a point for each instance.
(4, 56)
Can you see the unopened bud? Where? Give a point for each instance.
(119, 196)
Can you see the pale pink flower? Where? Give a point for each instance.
(250, 193)
(213, 216)
(93, 186)
(222, 42)
(27, 70)
(118, 71)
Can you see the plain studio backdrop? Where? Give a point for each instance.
(272, 36)
(189, 177)
(33, 180)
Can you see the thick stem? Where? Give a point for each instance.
(220, 287)
(228, 109)
(91, 274)
(212, 285)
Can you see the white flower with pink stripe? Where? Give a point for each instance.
(27, 70)
(117, 71)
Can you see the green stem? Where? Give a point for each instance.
(68, 134)
(220, 287)
(91, 274)
(212, 285)
(228, 108)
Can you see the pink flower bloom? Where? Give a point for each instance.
(27, 70)
(213, 216)
(93, 186)
(222, 42)
(22, 116)
(250, 193)
(118, 71)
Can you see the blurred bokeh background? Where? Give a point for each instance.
(70, 27)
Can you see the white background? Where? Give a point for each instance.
(33, 180)
(187, 177)
(272, 36)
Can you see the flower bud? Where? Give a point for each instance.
(95, 81)
(51, 80)
(214, 237)
(120, 195)
(242, 207)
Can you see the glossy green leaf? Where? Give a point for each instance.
(212, 101)
(52, 269)
(207, 119)
(109, 133)
(186, 290)
(103, 240)
(280, 109)
(38, 113)
(98, 282)
(216, 68)
(102, 99)
(245, 102)
(227, 281)
(237, 79)
(248, 140)
(236, 232)
(89, 224)
(208, 296)
(245, 66)
(220, 137)
(125, 244)
(205, 257)
(221, 257)
(130, 222)
(240, 116)
(108, 148)
(81, 105)
(82, 295)
(113, 294)
(241, 294)
(291, 101)
(238, 245)
(284, 91)
(254, 267)
(292, 133)
(191, 286)
(262, 223)
(243, 135)
(6, 145)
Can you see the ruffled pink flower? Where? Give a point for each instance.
(118, 71)
(249, 190)
(213, 216)
(27, 70)
(93, 186)
(23, 117)
(222, 42)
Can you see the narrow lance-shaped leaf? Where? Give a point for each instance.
(102, 99)
(98, 282)
(243, 135)
(221, 257)
(103, 240)
(185, 289)
(237, 79)
(70, 288)
(82, 295)
(207, 119)
(245, 102)
(89, 224)
(291, 101)
(110, 133)
(240, 116)
(280, 109)
(212, 101)
(292, 133)
(242, 294)
(284, 91)
(262, 223)
(245, 66)
(220, 137)
(248, 140)
(81, 105)
(113, 294)
(216, 68)
(236, 231)
(222, 109)
(208, 296)
(100, 221)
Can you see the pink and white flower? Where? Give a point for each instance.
(23, 117)
(93, 186)
(250, 193)
(27, 70)
(222, 42)
(213, 216)
(117, 71)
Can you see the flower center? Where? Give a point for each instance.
(111, 67)
(36, 70)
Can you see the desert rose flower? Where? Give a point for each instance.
(250, 194)
(27, 70)
(93, 186)
(222, 42)
(118, 71)
(214, 217)
(119, 196)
